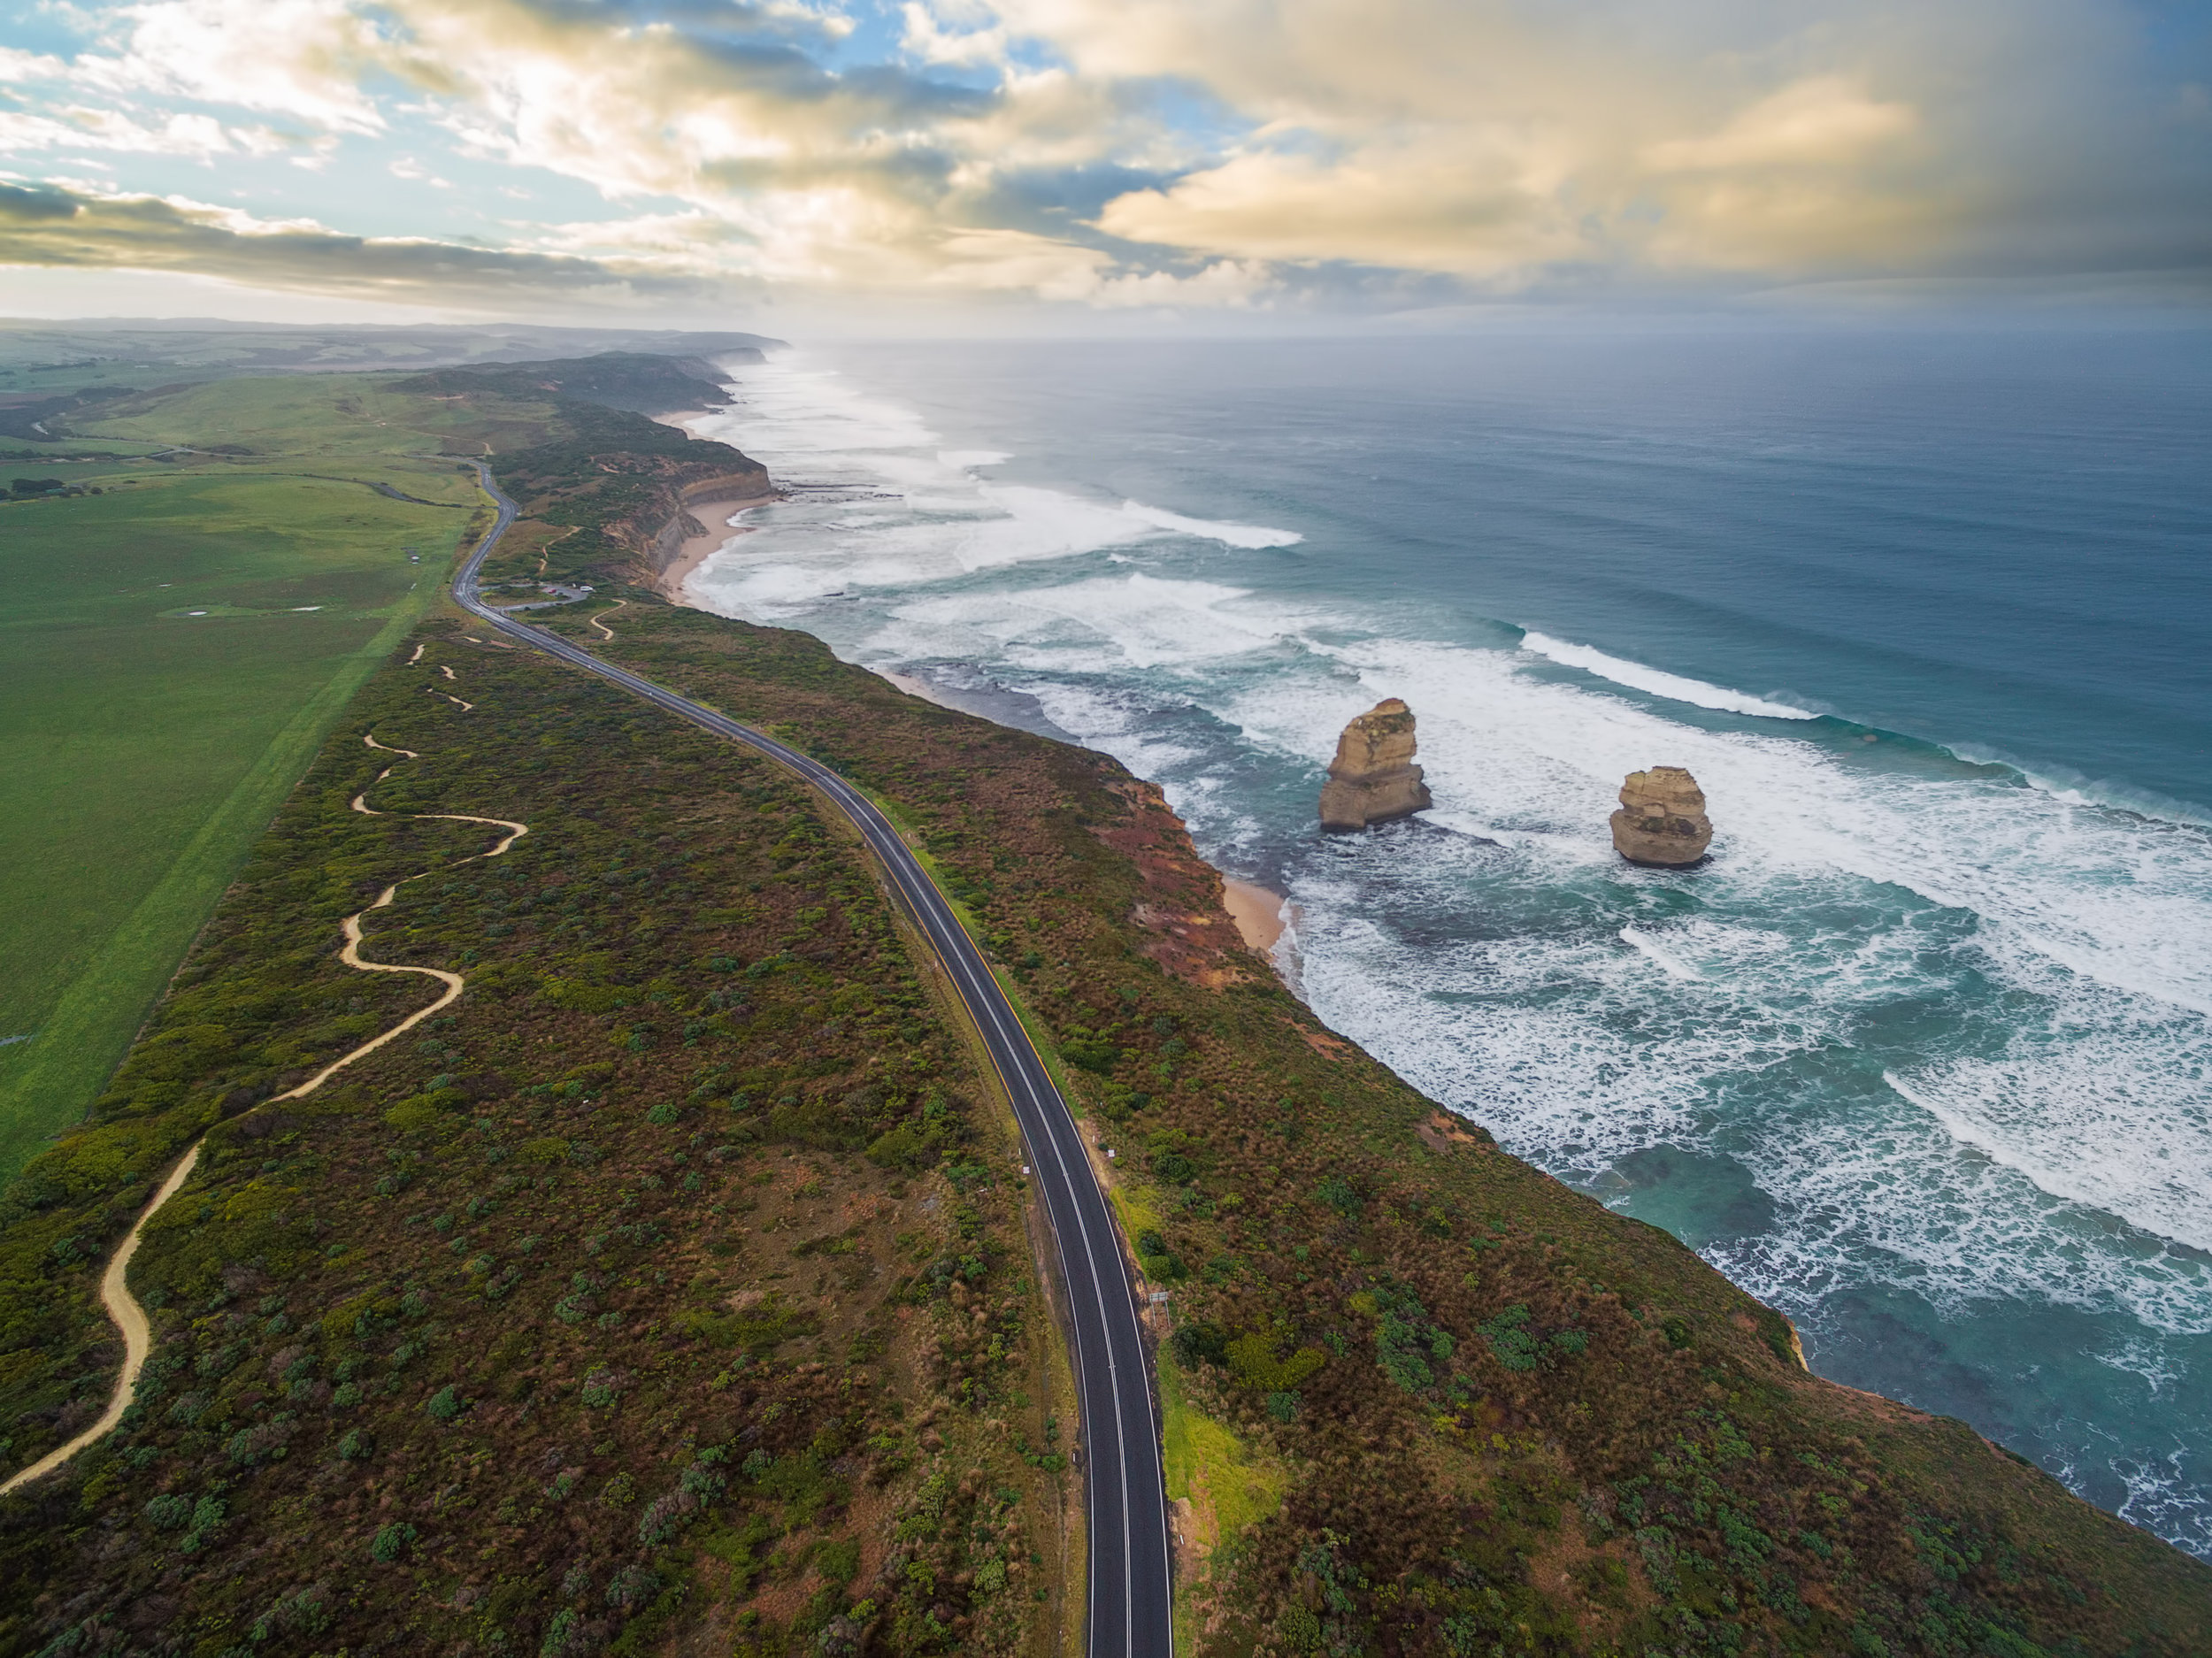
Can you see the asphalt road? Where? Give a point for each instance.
(1124, 1486)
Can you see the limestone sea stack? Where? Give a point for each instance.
(1373, 778)
(1662, 821)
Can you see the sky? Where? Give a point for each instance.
(992, 163)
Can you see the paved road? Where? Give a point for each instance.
(1127, 1499)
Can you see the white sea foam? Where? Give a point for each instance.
(1645, 945)
(878, 503)
(1658, 682)
(1251, 535)
(1135, 621)
(2061, 1148)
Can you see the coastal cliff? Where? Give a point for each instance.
(686, 539)
(1373, 778)
(610, 491)
(678, 1291)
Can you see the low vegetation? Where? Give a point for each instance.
(1500, 1418)
(674, 1284)
(483, 1344)
(180, 634)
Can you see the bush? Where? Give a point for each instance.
(304, 1612)
(391, 1541)
(166, 1512)
(1201, 1343)
(565, 1635)
(357, 1446)
(208, 1514)
(904, 1147)
(1252, 1357)
(1340, 1195)
(446, 1404)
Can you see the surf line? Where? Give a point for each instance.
(121, 1306)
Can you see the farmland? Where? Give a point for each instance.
(176, 644)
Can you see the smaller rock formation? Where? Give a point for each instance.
(1373, 778)
(1661, 822)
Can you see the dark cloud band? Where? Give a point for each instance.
(46, 225)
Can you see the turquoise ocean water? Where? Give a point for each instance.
(1924, 1056)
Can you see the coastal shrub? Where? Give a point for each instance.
(358, 1445)
(1512, 1342)
(1406, 1339)
(1340, 1195)
(1158, 1260)
(1251, 1358)
(1090, 1053)
(304, 1612)
(1200, 1343)
(168, 1512)
(665, 1517)
(905, 1147)
(391, 1541)
(446, 1404)
(566, 1635)
(208, 1515)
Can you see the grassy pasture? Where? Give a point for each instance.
(142, 748)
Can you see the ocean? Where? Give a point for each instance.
(1922, 1055)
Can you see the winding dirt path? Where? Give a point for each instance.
(115, 1292)
(604, 631)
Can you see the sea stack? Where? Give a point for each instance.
(1373, 778)
(1661, 822)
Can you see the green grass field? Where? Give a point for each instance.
(142, 747)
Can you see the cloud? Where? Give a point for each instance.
(198, 137)
(1112, 152)
(1823, 121)
(301, 58)
(51, 225)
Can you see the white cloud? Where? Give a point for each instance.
(1221, 149)
(301, 58)
(1824, 121)
(195, 137)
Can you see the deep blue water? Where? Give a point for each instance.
(1925, 1054)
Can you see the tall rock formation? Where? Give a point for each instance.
(1662, 821)
(1373, 778)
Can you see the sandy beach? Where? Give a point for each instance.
(914, 685)
(1257, 912)
(696, 549)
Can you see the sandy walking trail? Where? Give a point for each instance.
(115, 1292)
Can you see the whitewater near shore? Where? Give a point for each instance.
(1919, 1058)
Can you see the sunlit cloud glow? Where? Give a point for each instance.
(1115, 154)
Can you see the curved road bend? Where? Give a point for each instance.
(1124, 1485)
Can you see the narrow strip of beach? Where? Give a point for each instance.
(1258, 911)
(696, 549)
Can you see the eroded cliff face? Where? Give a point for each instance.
(1373, 778)
(1662, 821)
